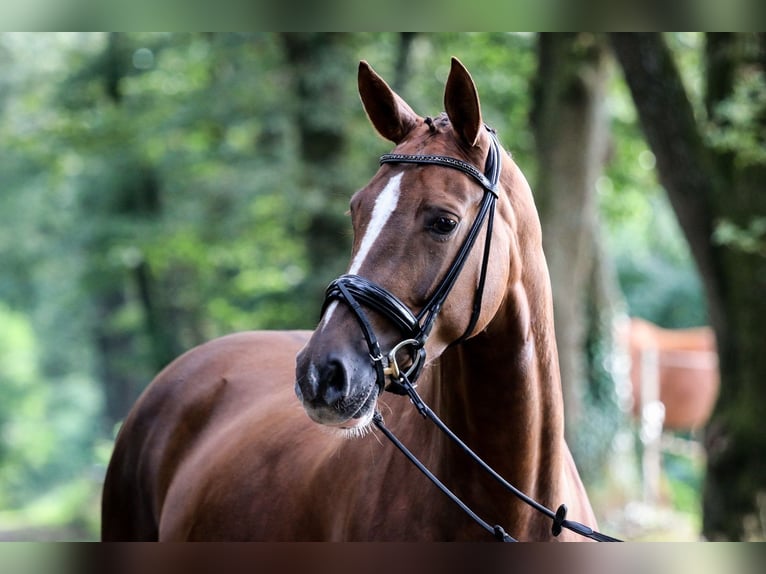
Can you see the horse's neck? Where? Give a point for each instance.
(501, 390)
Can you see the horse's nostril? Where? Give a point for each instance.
(333, 381)
(324, 384)
(307, 383)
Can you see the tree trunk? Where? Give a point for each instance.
(402, 68)
(714, 177)
(320, 64)
(571, 130)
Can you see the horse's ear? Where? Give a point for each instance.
(389, 113)
(461, 102)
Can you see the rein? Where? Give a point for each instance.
(356, 291)
(559, 517)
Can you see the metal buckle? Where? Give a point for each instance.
(393, 370)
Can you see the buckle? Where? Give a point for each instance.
(393, 370)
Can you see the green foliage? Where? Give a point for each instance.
(750, 239)
(738, 121)
(17, 373)
(48, 427)
(685, 477)
(656, 273)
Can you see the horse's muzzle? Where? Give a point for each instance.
(336, 392)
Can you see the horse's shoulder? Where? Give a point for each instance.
(216, 379)
(202, 392)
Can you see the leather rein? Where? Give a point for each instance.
(356, 292)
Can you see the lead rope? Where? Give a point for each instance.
(558, 517)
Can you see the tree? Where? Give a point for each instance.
(131, 197)
(711, 161)
(572, 136)
(319, 64)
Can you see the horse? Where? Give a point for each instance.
(270, 436)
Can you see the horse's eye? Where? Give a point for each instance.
(443, 225)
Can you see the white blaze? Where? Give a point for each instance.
(385, 204)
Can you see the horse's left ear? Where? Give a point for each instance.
(389, 113)
(461, 102)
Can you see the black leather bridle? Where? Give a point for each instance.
(356, 291)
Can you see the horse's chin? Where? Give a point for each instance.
(352, 428)
(356, 424)
(355, 428)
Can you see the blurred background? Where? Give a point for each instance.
(159, 190)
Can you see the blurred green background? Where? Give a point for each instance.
(159, 190)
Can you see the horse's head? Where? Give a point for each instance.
(428, 268)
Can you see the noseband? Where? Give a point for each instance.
(357, 291)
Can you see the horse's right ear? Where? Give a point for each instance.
(390, 114)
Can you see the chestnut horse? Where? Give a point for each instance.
(219, 448)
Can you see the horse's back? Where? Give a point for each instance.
(203, 413)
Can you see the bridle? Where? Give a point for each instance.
(357, 291)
